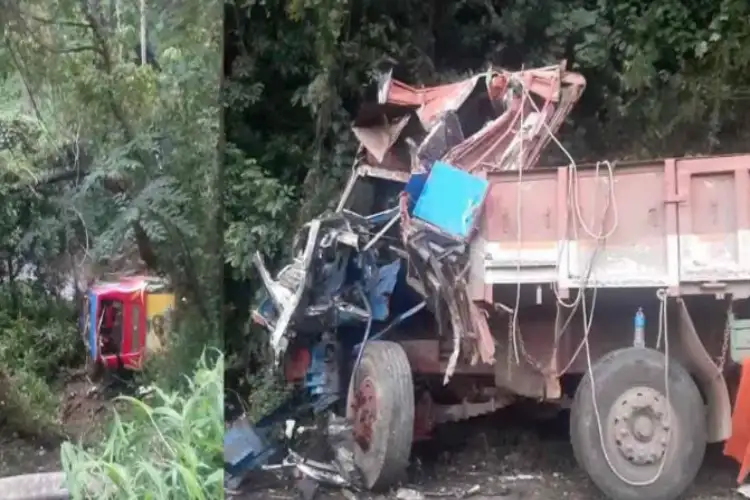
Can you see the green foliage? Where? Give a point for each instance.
(167, 446)
(30, 407)
(267, 392)
(41, 339)
(104, 168)
(142, 141)
(183, 343)
(258, 207)
(34, 345)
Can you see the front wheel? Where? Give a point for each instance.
(381, 408)
(640, 428)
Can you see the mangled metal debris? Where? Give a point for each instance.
(474, 124)
(249, 448)
(338, 292)
(319, 290)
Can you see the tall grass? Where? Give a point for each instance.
(167, 446)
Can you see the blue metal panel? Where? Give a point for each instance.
(380, 291)
(322, 375)
(92, 325)
(245, 448)
(450, 199)
(414, 187)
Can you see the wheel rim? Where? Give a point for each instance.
(638, 431)
(363, 408)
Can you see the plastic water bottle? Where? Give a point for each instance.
(639, 333)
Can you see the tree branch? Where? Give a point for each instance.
(22, 72)
(69, 50)
(145, 248)
(42, 20)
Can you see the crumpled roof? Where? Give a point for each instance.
(499, 112)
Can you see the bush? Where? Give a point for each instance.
(38, 335)
(28, 406)
(166, 446)
(37, 339)
(186, 341)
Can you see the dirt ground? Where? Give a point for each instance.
(83, 411)
(493, 458)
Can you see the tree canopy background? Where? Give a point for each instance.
(664, 78)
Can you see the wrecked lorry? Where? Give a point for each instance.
(457, 277)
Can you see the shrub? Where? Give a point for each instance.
(166, 446)
(37, 339)
(28, 406)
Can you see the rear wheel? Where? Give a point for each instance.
(640, 428)
(381, 408)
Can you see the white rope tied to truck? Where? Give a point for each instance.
(663, 330)
(600, 237)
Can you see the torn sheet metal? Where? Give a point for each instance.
(245, 447)
(536, 102)
(443, 216)
(478, 123)
(430, 102)
(250, 448)
(379, 139)
(316, 292)
(381, 287)
(445, 135)
(289, 302)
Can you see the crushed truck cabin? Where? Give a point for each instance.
(456, 277)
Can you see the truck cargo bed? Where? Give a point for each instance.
(675, 223)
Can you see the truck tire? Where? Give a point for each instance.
(635, 418)
(381, 408)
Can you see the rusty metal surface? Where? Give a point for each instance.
(543, 235)
(637, 430)
(379, 139)
(678, 222)
(499, 113)
(430, 102)
(713, 212)
(611, 329)
(364, 408)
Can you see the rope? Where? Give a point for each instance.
(574, 207)
(663, 329)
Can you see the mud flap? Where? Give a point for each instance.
(738, 445)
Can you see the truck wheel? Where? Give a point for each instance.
(381, 409)
(640, 428)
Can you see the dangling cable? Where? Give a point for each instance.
(663, 329)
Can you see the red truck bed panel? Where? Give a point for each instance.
(679, 221)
